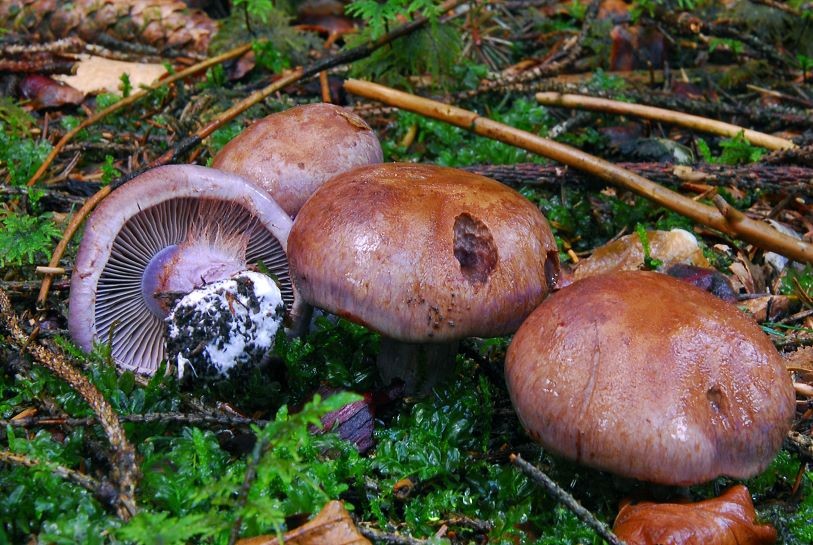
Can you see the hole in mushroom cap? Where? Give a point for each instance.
(474, 248)
(552, 269)
(716, 398)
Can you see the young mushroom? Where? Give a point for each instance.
(291, 153)
(166, 232)
(648, 377)
(425, 255)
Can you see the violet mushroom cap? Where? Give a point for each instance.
(422, 254)
(170, 229)
(291, 153)
(646, 376)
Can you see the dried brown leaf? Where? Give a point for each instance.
(332, 526)
(727, 520)
(98, 74)
(627, 253)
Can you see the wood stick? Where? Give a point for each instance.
(584, 102)
(125, 468)
(133, 98)
(566, 498)
(756, 232)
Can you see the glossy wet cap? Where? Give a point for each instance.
(422, 253)
(646, 376)
(291, 153)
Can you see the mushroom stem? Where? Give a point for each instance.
(421, 366)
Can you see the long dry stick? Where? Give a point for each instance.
(125, 469)
(566, 498)
(729, 221)
(584, 102)
(127, 101)
(189, 142)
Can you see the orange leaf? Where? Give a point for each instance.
(727, 520)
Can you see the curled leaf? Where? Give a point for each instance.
(627, 253)
(332, 526)
(727, 520)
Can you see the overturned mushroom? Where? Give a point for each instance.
(646, 376)
(425, 255)
(291, 153)
(164, 233)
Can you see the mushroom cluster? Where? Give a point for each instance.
(649, 377)
(425, 255)
(177, 229)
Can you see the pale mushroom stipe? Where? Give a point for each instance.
(425, 255)
(166, 232)
(648, 377)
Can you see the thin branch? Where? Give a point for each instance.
(800, 444)
(147, 418)
(127, 101)
(251, 474)
(791, 179)
(101, 490)
(753, 231)
(564, 497)
(584, 102)
(125, 470)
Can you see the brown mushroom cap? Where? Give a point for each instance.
(646, 376)
(422, 253)
(291, 153)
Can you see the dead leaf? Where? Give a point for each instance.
(768, 307)
(332, 526)
(727, 520)
(98, 74)
(627, 253)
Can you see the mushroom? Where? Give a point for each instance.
(291, 153)
(164, 233)
(646, 376)
(426, 256)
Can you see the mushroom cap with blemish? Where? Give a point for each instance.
(138, 220)
(649, 377)
(422, 253)
(291, 153)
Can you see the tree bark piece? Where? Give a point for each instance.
(756, 232)
(584, 102)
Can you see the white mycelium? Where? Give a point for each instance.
(224, 324)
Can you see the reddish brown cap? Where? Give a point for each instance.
(422, 253)
(291, 153)
(646, 376)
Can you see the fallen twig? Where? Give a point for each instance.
(791, 179)
(148, 418)
(102, 490)
(125, 469)
(568, 500)
(584, 102)
(132, 99)
(756, 232)
(800, 444)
